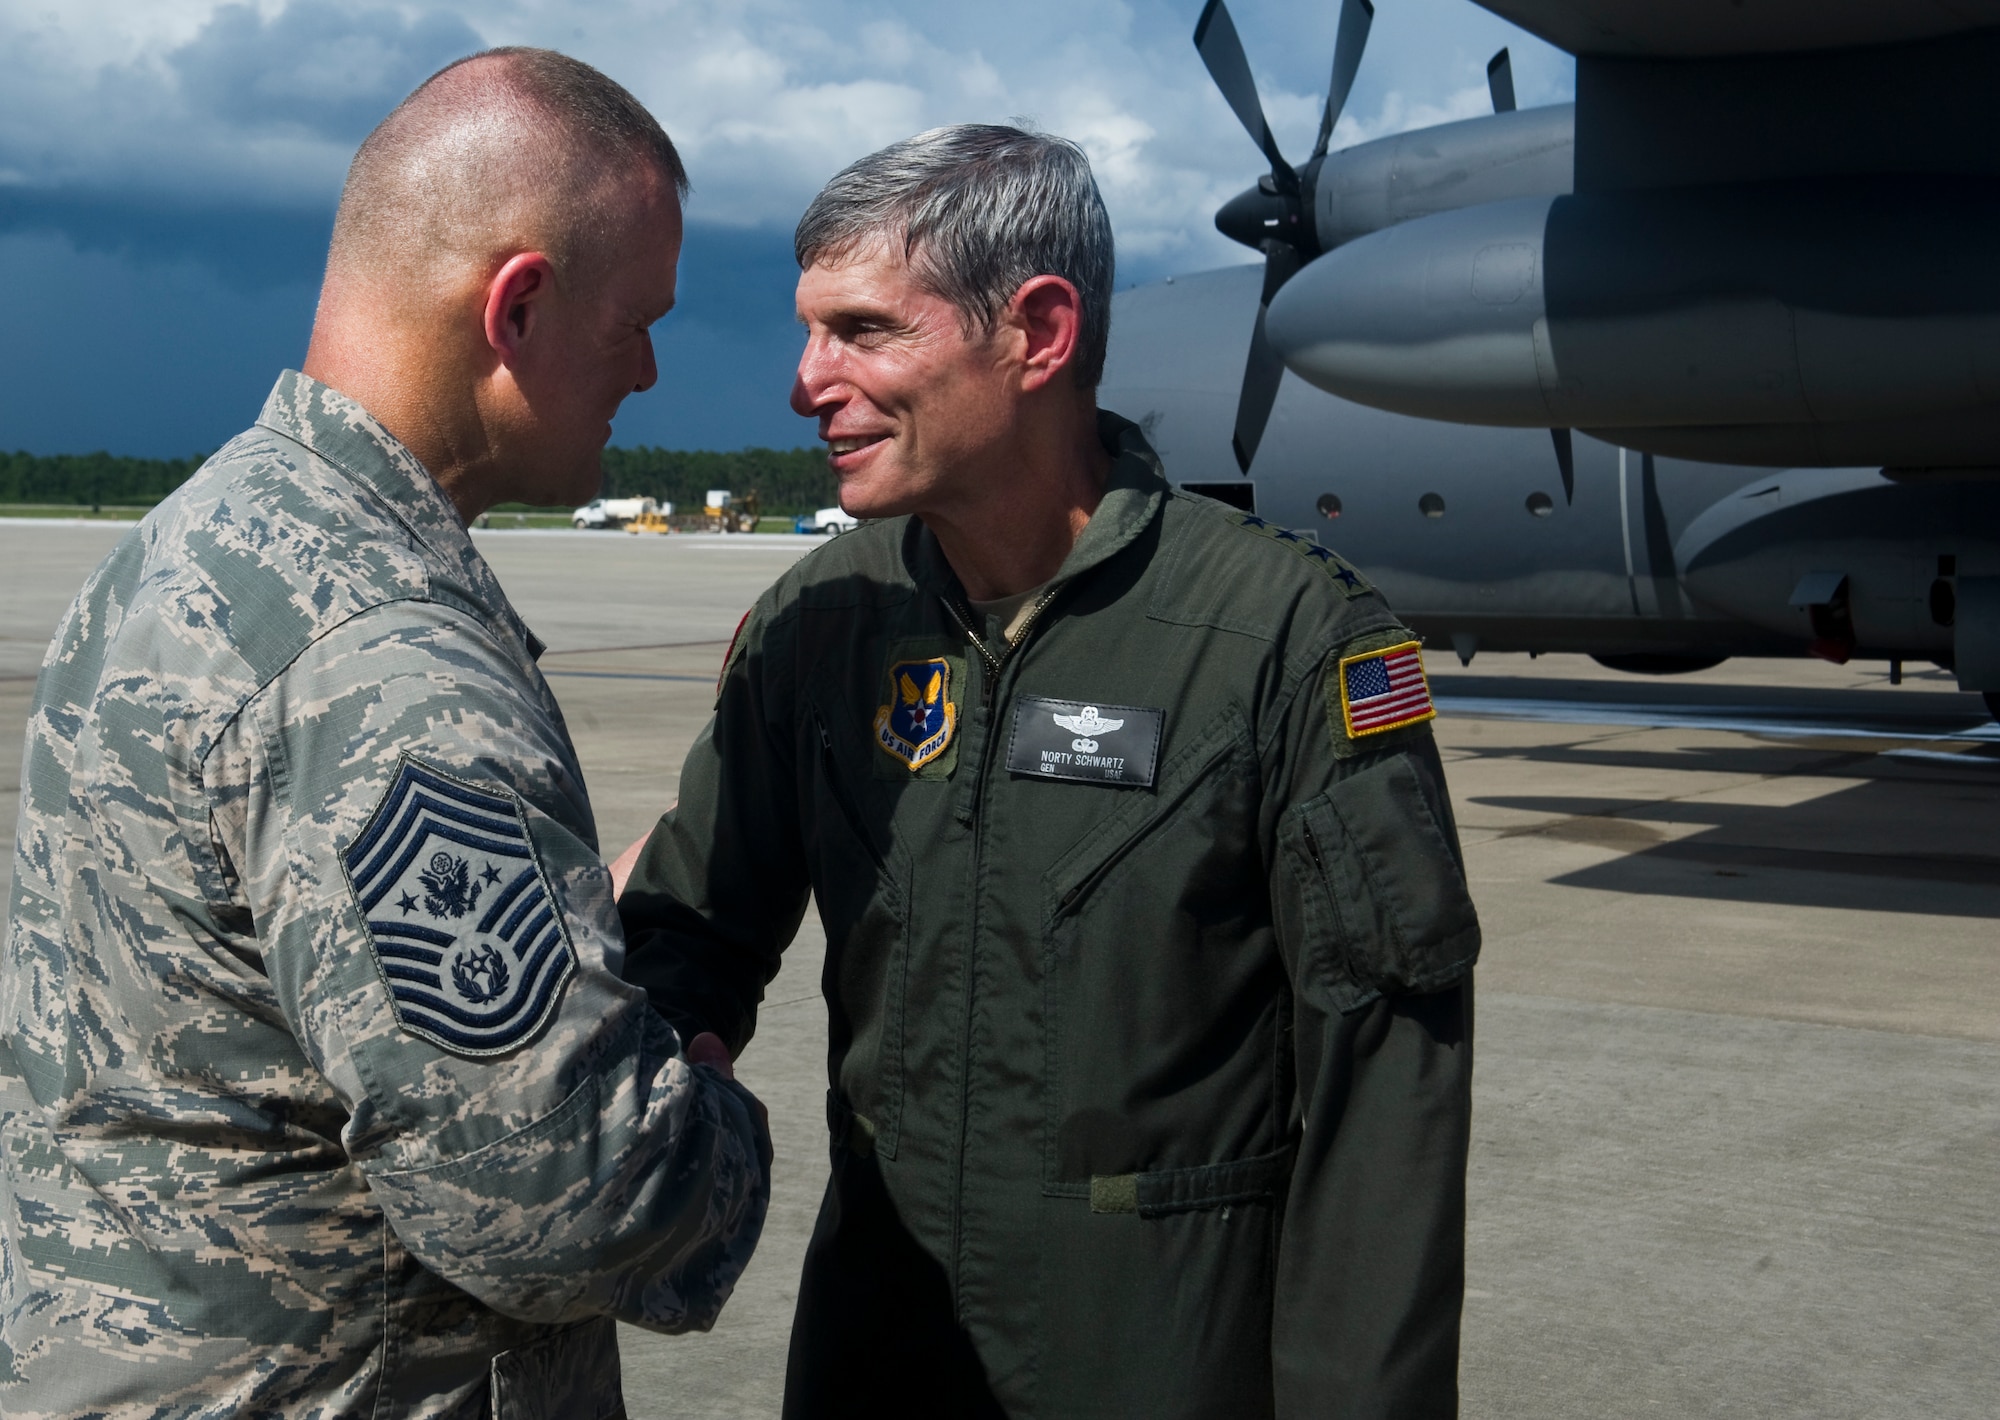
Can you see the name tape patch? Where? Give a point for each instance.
(1092, 744)
(464, 929)
(1385, 689)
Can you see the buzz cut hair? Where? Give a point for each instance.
(515, 148)
(978, 210)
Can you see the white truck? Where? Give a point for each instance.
(827, 522)
(610, 514)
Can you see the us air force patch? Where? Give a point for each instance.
(917, 723)
(465, 932)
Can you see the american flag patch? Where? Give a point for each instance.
(1380, 690)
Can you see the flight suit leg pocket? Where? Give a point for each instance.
(571, 1374)
(1382, 907)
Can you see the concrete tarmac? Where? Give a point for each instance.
(1737, 1142)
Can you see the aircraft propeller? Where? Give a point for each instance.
(1500, 84)
(1500, 81)
(1275, 217)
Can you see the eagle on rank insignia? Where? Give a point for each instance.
(465, 932)
(1384, 690)
(917, 723)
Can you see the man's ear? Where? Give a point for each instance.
(1048, 311)
(514, 301)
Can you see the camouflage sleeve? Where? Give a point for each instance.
(410, 826)
(1378, 935)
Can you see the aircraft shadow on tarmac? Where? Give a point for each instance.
(1909, 712)
(1903, 839)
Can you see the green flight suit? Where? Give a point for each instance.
(1149, 1097)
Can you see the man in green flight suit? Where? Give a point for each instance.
(1148, 941)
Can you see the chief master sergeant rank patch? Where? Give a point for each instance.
(464, 929)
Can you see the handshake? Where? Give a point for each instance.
(338, 1072)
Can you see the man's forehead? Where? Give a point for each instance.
(872, 272)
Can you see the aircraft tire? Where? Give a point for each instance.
(1657, 662)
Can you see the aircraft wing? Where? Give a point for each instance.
(1686, 29)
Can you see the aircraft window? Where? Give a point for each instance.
(1540, 504)
(1329, 506)
(1431, 505)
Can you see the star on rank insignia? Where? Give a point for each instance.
(465, 932)
(1385, 689)
(917, 723)
(1306, 545)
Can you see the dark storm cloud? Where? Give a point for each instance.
(330, 69)
(243, 248)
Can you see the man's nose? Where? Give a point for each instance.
(814, 376)
(802, 400)
(649, 368)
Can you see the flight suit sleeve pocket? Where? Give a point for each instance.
(1381, 907)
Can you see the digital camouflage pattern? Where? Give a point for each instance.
(233, 1182)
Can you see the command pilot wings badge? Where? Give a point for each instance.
(465, 931)
(1086, 727)
(917, 723)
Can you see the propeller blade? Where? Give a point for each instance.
(1566, 462)
(1351, 38)
(1264, 371)
(1500, 81)
(1222, 52)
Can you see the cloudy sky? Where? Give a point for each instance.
(168, 168)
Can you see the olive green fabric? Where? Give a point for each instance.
(1144, 1100)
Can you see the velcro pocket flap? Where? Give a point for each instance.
(1383, 905)
(1163, 1191)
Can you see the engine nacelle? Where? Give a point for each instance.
(1809, 323)
(1852, 563)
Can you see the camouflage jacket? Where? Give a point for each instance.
(320, 1091)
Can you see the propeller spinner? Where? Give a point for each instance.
(1275, 216)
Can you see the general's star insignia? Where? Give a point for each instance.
(1306, 545)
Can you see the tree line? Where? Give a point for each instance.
(785, 480)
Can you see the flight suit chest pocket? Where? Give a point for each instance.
(1160, 983)
(1381, 907)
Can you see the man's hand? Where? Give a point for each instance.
(621, 870)
(708, 1049)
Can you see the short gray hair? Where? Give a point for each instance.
(980, 209)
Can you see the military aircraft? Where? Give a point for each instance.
(1469, 275)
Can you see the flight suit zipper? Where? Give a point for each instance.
(995, 664)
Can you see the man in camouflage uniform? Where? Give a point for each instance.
(1149, 949)
(320, 1092)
